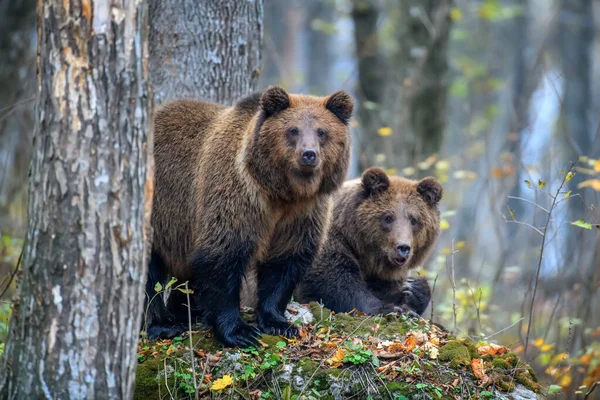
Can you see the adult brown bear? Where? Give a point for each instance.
(382, 227)
(242, 187)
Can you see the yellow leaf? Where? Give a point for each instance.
(442, 165)
(541, 183)
(460, 244)
(597, 165)
(391, 171)
(546, 347)
(337, 359)
(538, 342)
(569, 176)
(593, 183)
(567, 195)
(444, 224)
(222, 383)
(565, 381)
(455, 14)
(512, 212)
(384, 131)
(527, 183)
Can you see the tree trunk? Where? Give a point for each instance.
(371, 79)
(17, 88)
(417, 105)
(76, 323)
(407, 90)
(207, 49)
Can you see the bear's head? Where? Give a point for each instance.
(395, 221)
(301, 144)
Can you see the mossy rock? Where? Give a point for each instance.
(302, 367)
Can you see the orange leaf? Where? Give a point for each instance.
(586, 358)
(410, 343)
(479, 371)
(336, 360)
(593, 183)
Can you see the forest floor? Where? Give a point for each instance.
(337, 356)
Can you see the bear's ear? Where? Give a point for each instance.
(341, 105)
(273, 100)
(431, 190)
(375, 181)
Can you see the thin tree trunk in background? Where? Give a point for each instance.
(75, 328)
(576, 33)
(410, 94)
(273, 50)
(320, 17)
(207, 49)
(371, 80)
(416, 107)
(17, 88)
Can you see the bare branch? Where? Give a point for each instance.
(530, 202)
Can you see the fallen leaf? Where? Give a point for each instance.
(479, 371)
(222, 383)
(410, 343)
(492, 349)
(336, 360)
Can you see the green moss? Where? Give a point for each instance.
(525, 378)
(396, 388)
(146, 380)
(499, 363)
(456, 352)
(393, 329)
(202, 341)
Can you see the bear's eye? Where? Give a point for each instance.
(321, 132)
(293, 131)
(388, 219)
(414, 221)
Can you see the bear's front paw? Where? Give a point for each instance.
(416, 294)
(396, 309)
(276, 325)
(164, 331)
(239, 335)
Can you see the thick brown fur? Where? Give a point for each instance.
(383, 226)
(240, 188)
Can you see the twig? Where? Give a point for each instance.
(192, 359)
(508, 327)
(514, 221)
(539, 266)
(453, 282)
(167, 380)
(477, 306)
(432, 293)
(530, 202)
(13, 274)
(591, 390)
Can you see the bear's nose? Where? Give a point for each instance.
(309, 157)
(403, 250)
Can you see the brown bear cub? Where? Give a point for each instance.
(382, 227)
(240, 188)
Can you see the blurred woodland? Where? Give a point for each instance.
(499, 99)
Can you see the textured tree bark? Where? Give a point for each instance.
(75, 326)
(207, 49)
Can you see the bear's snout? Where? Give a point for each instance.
(309, 158)
(403, 250)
